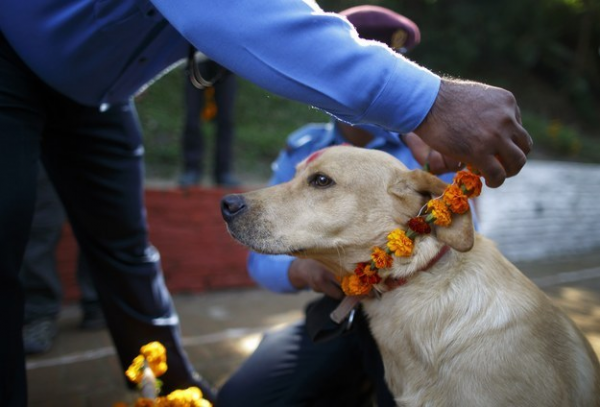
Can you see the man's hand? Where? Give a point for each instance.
(479, 125)
(307, 273)
(425, 155)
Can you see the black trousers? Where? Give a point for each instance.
(289, 369)
(95, 162)
(193, 141)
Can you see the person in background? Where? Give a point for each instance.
(68, 72)
(302, 365)
(40, 278)
(214, 103)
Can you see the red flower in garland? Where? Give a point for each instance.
(419, 225)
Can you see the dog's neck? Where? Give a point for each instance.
(398, 279)
(395, 282)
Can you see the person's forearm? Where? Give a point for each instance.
(305, 54)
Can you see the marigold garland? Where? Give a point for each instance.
(454, 200)
(153, 357)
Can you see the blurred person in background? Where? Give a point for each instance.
(41, 280)
(215, 103)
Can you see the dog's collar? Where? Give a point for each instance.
(350, 302)
(392, 283)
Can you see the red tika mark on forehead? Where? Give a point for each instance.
(313, 156)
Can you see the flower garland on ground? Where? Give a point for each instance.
(145, 368)
(400, 243)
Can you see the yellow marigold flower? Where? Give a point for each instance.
(381, 258)
(190, 397)
(440, 212)
(399, 243)
(470, 181)
(144, 402)
(351, 285)
(156, 356)
(455, 199)
(154, 351)
(136, 370)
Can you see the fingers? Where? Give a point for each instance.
(333, 291)
(522, 139)
(492, 171)
(419, 149)
(511, 155)
(440, 164)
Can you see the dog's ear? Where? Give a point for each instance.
(460, 235)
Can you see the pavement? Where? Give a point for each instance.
(220, 329)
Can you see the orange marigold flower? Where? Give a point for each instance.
(471, 182)
(419, 225)
(144, 402)
(352, 285)
(399, 243)
(440, 212)
(381, 258)
(455, 199)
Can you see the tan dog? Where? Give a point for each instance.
(472, 330)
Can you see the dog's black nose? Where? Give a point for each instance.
(232, 205)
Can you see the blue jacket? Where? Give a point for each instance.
(104, 51)
(271, 271)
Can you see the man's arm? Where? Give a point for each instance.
(296, 50)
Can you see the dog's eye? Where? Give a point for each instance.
(320, 181)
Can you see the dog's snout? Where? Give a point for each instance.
(232, 205)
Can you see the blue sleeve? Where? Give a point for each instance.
(271, 271)
(296, 50)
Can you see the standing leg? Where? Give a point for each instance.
(92, 317)
(225, 95)
(96, 162)
(192, 141)
(39, 275)
(21, 121)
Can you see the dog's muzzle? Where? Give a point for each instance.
(232, 205)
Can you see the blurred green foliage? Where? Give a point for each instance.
(547, 52)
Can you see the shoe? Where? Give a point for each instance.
(92, 320)
(38, 335)
(227, 180)
(190, 178)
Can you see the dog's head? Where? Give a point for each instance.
(341, 203)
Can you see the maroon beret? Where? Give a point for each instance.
(384, 25)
